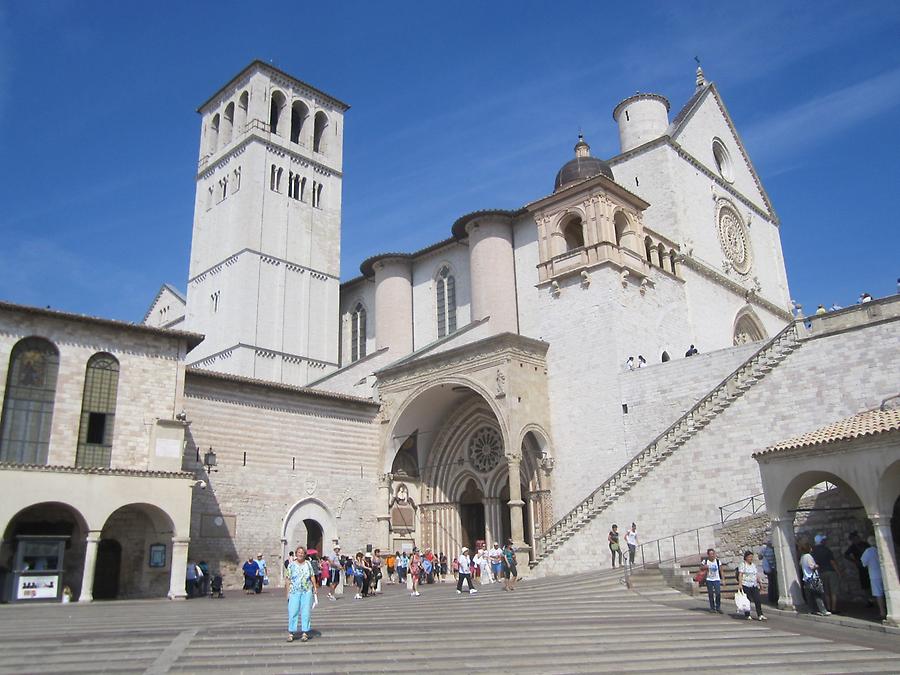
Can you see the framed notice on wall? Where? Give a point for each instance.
(157, 555)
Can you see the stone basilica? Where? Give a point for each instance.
(476, 390)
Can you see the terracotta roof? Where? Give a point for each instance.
(192, 339)
(869, 423)
(95, 470)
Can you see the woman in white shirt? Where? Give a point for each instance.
(812, 584)
(748, 578)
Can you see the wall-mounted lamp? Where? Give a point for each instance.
(209, 461)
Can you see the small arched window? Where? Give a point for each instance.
(98, 411)
(213, 134)
(445, 301)
(303, 189)
(665, 356)
(573, 233)
(672, 257)
(317, 197)
(299, 113)
(227, 124)
(28, 403)
(276, 112)
(321, 122)
(621, 225)
(663, 258)
(648, 249)
(358, 333)
(236, 180)
(241, 119)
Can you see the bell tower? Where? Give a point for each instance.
(263, 284)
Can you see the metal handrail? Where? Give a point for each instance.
(754, 504)
(714, 392)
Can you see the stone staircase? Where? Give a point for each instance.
(747, 375)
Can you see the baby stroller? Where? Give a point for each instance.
(215, 589)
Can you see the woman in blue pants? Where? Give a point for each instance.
(301, 593)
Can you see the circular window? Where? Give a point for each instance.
(734, 238)
(485, 449)
(723, 160)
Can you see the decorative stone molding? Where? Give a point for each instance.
(585, 279)
(555, 289)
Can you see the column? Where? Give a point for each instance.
(383, 529)
(491, 520)
(885, 542)
(790, 596)
(516, 511)
(179, 566)
(90, 564)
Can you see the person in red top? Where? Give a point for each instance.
(415, 566)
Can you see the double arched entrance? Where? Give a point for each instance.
(129, 556)
(460, 470)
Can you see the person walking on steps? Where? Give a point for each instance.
(301, 587)
(631, 539)
(415, 568)
(615, 548)
(712, 567)
(748, 578)
(510, 570)
(465, 571)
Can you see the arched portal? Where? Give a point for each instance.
(311, 524)
(49, 519)
(123, 566)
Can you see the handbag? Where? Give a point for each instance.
(614, 546)
(741, 601)
(814, 583)
(700, 577)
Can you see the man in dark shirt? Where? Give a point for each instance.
(828, 570)
(854, 554)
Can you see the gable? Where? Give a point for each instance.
(167, 309)
(704, 121)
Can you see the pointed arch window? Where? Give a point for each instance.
(98, 411)
(28, 403)
(358, 333)
(445, 291)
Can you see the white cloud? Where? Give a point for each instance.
(786, 132)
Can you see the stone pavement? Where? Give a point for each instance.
(554, 625)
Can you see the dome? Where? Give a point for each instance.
(581, 168)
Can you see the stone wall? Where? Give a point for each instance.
(826, 379)
(300, 448)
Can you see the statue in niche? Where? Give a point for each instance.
(403, 511)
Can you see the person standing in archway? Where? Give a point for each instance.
(301, 588)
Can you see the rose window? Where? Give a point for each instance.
(734, 240)
(485, 449)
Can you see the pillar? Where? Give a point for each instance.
(493, 527)
(517, 510)
(179, 566)
(790, 595)
(884, 539)
(90, 565)
(383, 530)
(492, 273)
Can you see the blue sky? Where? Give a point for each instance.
(455, 107)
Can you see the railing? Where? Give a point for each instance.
(714, 393)
(748, 506)
(681, 544)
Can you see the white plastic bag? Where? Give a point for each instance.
(741, 601)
